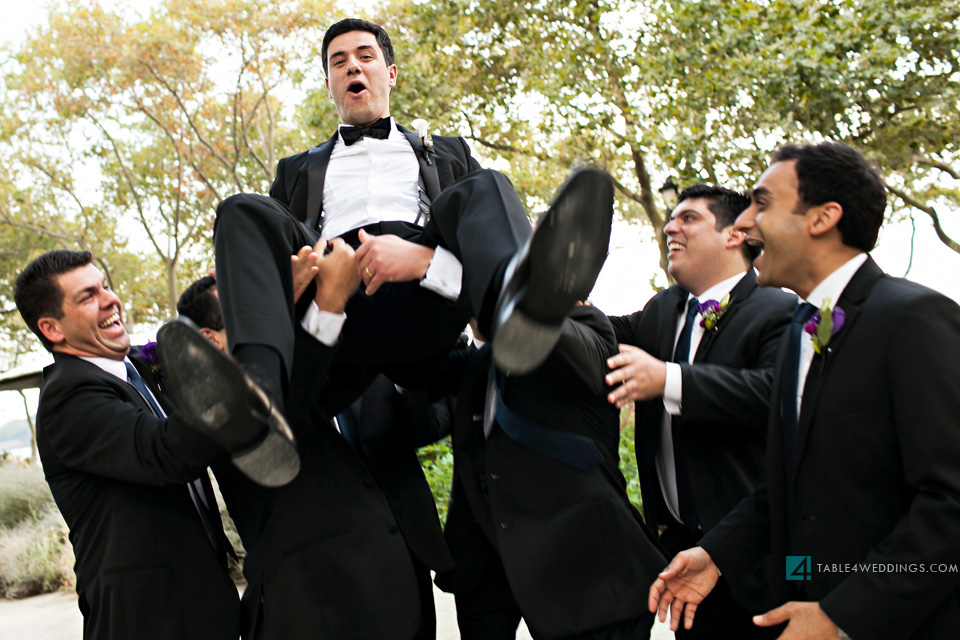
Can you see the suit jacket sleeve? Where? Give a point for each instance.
(741, 541)
(91, 427)
(923, 379)
(278, 189)
(586, 341)
(623, 327)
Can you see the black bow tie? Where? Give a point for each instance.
(379, 130)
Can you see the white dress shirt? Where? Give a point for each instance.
(830, 287)
(376, 181)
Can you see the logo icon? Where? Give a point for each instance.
(799, 568)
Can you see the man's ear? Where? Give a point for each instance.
(824, 218)
(213, 337)
(51, 330)
(733, 238)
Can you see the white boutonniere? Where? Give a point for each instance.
(426, 140)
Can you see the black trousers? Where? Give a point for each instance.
(489, 611)
(479, 218)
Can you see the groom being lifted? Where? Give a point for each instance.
(437, 239)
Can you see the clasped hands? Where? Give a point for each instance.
(692, 575)
(338, 270)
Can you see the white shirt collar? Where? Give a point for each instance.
(833, 285)
(117, 368)
(722, 288)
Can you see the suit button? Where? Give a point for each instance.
(393, 528)
(809, 518)
(505, 525)
(494, 476)
(368, 483)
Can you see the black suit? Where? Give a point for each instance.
(145, 565)
(476, 215)
(877, 478)
(567, 543)
(725, 396)
(326, 557)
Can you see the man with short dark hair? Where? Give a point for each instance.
(863, 442)
(701, 415)
(201, 303)
(127, 474)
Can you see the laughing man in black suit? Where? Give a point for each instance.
(863, 441)
(127, 474)
(701, 417)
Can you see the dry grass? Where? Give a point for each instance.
(35, 554)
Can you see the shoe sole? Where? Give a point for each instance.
(202, 382)
(561, 264)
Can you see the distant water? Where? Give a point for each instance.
(21, 452)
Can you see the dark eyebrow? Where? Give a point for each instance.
(679, 212)
(362, 47)
(759, 191)
(91, 290)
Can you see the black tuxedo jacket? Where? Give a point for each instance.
(299, 186)
(325, 554)
(574, 549)
(725, 395)
(145, 566)
(877, 479)
(300, 177)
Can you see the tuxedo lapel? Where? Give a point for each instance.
(318, 158)
(428, 168)
(850, 300)
(672, 308)
(738, 294)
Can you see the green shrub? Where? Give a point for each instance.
(628, 455)
(437, 462)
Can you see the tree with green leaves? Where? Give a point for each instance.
(171, 112)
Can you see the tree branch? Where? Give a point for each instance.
(930, 211)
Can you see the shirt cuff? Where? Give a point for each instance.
(443, 275)
(673, 389)
(323, 325)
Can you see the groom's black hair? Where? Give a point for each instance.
(356, 24)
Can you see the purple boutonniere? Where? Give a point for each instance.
(148, 353)
(711, 311)
(825, 324)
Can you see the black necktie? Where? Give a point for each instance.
(134, 378)
(788, 406)
(379, 130)
(681, 354)
(204, 502)
(348, 429)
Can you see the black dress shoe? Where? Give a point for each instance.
(214, 396)
(557, 267)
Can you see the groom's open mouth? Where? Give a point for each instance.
(356, 87)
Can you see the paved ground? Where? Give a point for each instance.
(55, 616)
